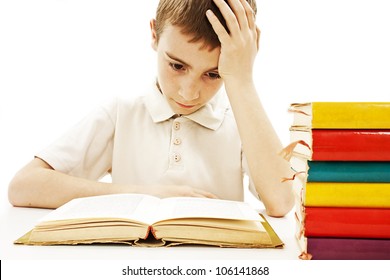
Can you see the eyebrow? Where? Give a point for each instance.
(185, 63)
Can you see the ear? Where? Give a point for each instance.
(154, 34)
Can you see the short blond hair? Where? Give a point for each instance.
(190, 16)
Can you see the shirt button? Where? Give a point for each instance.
(177, 158)
(176, 126)
(177, 141)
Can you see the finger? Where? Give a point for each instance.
(228, 15)
(258, 32)
(203, 193)
(250, 14)
(208, 195)
(238, 8)
(245, 15)
(213, 196)
(198, 195)
(219, 29)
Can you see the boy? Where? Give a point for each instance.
(180, 138)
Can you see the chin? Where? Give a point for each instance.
(185, 112)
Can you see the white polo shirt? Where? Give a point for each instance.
(141, 141)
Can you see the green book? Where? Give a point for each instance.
(349, 171)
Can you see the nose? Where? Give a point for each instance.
(189, 89)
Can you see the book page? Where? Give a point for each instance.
(121, 206)
(189, 207)
(302, 114)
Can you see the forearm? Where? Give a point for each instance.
(261, 146)
(37, 185)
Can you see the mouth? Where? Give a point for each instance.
(184, 105)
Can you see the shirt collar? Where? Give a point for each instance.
(211, 115)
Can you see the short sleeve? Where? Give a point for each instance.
(86, 149)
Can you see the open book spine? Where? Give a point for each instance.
(341, 155)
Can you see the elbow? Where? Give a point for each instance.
(20, 191)
(14, 192)
(281, 208)
(25, 188)
(279, 212)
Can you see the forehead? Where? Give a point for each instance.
(173, 41)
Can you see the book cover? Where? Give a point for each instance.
(341, 144)
(336, 194)
(346, 222)
(144, 220)
(341, 115)
(345, 171)
(341, 248)
(341, 194)
(348, 248)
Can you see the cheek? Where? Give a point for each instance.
(210, 89)
(165, 78)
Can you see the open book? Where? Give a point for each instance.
(145, 220)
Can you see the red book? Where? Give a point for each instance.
(342, 144)
(347, 222)
(341, 248)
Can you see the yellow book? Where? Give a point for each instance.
(340, 194)
(334, 194)
(341, 115)
(143, 220)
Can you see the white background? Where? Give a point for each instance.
(59, 59)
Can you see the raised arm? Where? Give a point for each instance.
(261, 144)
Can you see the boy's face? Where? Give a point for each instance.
(187, 75)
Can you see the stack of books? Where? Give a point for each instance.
(340, 153)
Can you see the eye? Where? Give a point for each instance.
(213, 75)
(176, 66)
